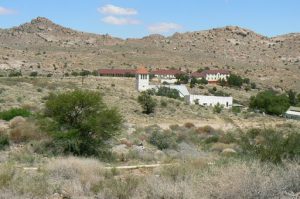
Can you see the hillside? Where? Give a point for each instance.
(50, 48)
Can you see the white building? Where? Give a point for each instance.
(142, 79)
(212, 76)
(142, 84)
(204, 100)
(293, 113)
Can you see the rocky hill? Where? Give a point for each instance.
(46, 47)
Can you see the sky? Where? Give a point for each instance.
(138, 18)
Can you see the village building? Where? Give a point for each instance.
(143, 84)
(212, 76)
(204, 100)
(293, 113)
(166, 75)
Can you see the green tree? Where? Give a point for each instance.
(168, 92)
(182, 78)
(147, 102)
(235, 80)
(83, 122)
(270, 103)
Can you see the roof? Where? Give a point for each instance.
(294, 109)
(116, 71)
(197, 74)
(167, 72)
(211, 72)
(226, 72)
(142, 71)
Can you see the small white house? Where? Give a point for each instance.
(293, 113)
(142, 79)
(204, 100)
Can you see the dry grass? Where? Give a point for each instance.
(236, 180)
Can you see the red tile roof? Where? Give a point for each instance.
(206, 72)
(166, 72)
(142, 70)
(116, 71)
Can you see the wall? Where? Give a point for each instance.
(209, 100)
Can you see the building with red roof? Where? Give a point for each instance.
(166, 73)
(212, 76)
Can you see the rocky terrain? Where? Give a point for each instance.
(46, 47)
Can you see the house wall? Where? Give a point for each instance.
(165, 76)
(216, 77)
(142, 82)
(204, 100)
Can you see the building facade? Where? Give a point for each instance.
(204, 100)
(212, 76)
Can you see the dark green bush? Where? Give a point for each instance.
(218, 108)
(33, 74)
(168, 92)
(82, 123)
(270, 102)
(4, 141)
(15, 74)
(163, 139)
(10, 114)
(147, 102)
(270, 145)
(212, 139)
(235, 80)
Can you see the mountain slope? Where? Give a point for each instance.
(47, 47)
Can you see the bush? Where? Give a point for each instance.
(168, 92)
(269, 102)
(33, 74)
(236, 109)
(10, 114)
(235, 80)
(74, 73)
(4, 141)
(147, 102)
(15, 74)
(163, 139)
(270, 145)
(82, 122)
(163, 103)
(218, 108)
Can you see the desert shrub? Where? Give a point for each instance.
(11, 113)
(228, 138)
(236, 109)
(189, 125)
(49, 75)
(24, 131)
(206, 130)
(4, 141)
(270, 103)
(6, 175)
(147, 102)
(82, 123)
(33, 74)
(163, 103)
(270, 145)
(122, 188)
(168, 92)
(84, 73)
(163, 139)
(211, 139)
(235, 80)
(74, 73)
(217, 108)
(15, 74)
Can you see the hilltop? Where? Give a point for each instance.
(46, 47)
